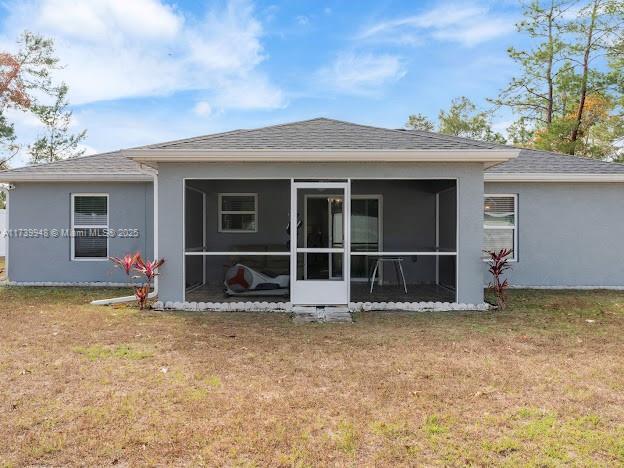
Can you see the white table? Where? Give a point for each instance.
(398, 268)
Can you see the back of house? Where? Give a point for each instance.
(319, 212)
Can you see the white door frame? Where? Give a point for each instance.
(320, 292)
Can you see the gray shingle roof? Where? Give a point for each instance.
(534, 161)
(320, 134)
(544, 162)
(109, 163)
(103, 164)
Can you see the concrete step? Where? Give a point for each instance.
(309, 314)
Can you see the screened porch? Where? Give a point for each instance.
(399, 238)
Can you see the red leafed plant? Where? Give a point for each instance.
(499, 264)
(126, 262)
(147, 270)
(141, 293)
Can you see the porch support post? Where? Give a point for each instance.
(171, 234)
(470, 239)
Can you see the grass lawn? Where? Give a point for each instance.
(541, 384)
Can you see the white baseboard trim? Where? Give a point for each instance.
(90, 284)
(288, 307)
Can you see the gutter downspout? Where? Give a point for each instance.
(154, 293)
(6, 188)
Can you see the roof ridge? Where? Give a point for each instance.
(395, 130)
(229, 132)
(442, 136)
(410, 133)
(180, 140)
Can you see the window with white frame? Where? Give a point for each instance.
(238, 212)
(89, 226)
(500, 213)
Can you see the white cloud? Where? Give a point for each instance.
(114, 49)
(253, 92)
(95, 19)
(203, 108)
(87, 149)
(23, 119)
(302, 20)
(501, 126)
(462, 23)
(362, 73)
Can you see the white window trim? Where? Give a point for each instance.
(514, 257)
(85, 226)
(222, 212)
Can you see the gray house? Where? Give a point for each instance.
(319, 212)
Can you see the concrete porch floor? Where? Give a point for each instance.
(215, 293)
(359, 293)
(395, 293)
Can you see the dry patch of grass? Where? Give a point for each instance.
(97, 351)
(539, 384)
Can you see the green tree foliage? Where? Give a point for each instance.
(22, 74)
(569, 94)
(8, 146)
(532, 93)
(57, 142)
(25, 79)
(462, 119)
(594, 30)
(419, 122)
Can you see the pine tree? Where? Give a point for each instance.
(465, 120)
(57, 142)
(22, 74)
(532, 95)
(419, 122)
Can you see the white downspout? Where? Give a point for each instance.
(6, 188)
(154, 293)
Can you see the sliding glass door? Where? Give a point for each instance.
(366, 233)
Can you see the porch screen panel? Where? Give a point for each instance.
(240, 216)
(404, 222)
(237, 278)
(236, 227)
(365, 233)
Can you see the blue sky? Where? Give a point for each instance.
(144, 71)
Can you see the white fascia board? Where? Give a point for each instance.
(487, 156)
(73, 177)
(551, 177)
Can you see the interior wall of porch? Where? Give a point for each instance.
(470, 187)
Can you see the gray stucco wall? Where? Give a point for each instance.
(470, 187)
(48, 206)
(568, 234)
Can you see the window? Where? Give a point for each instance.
(500, 214)
(238, 212)
(89, 225)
